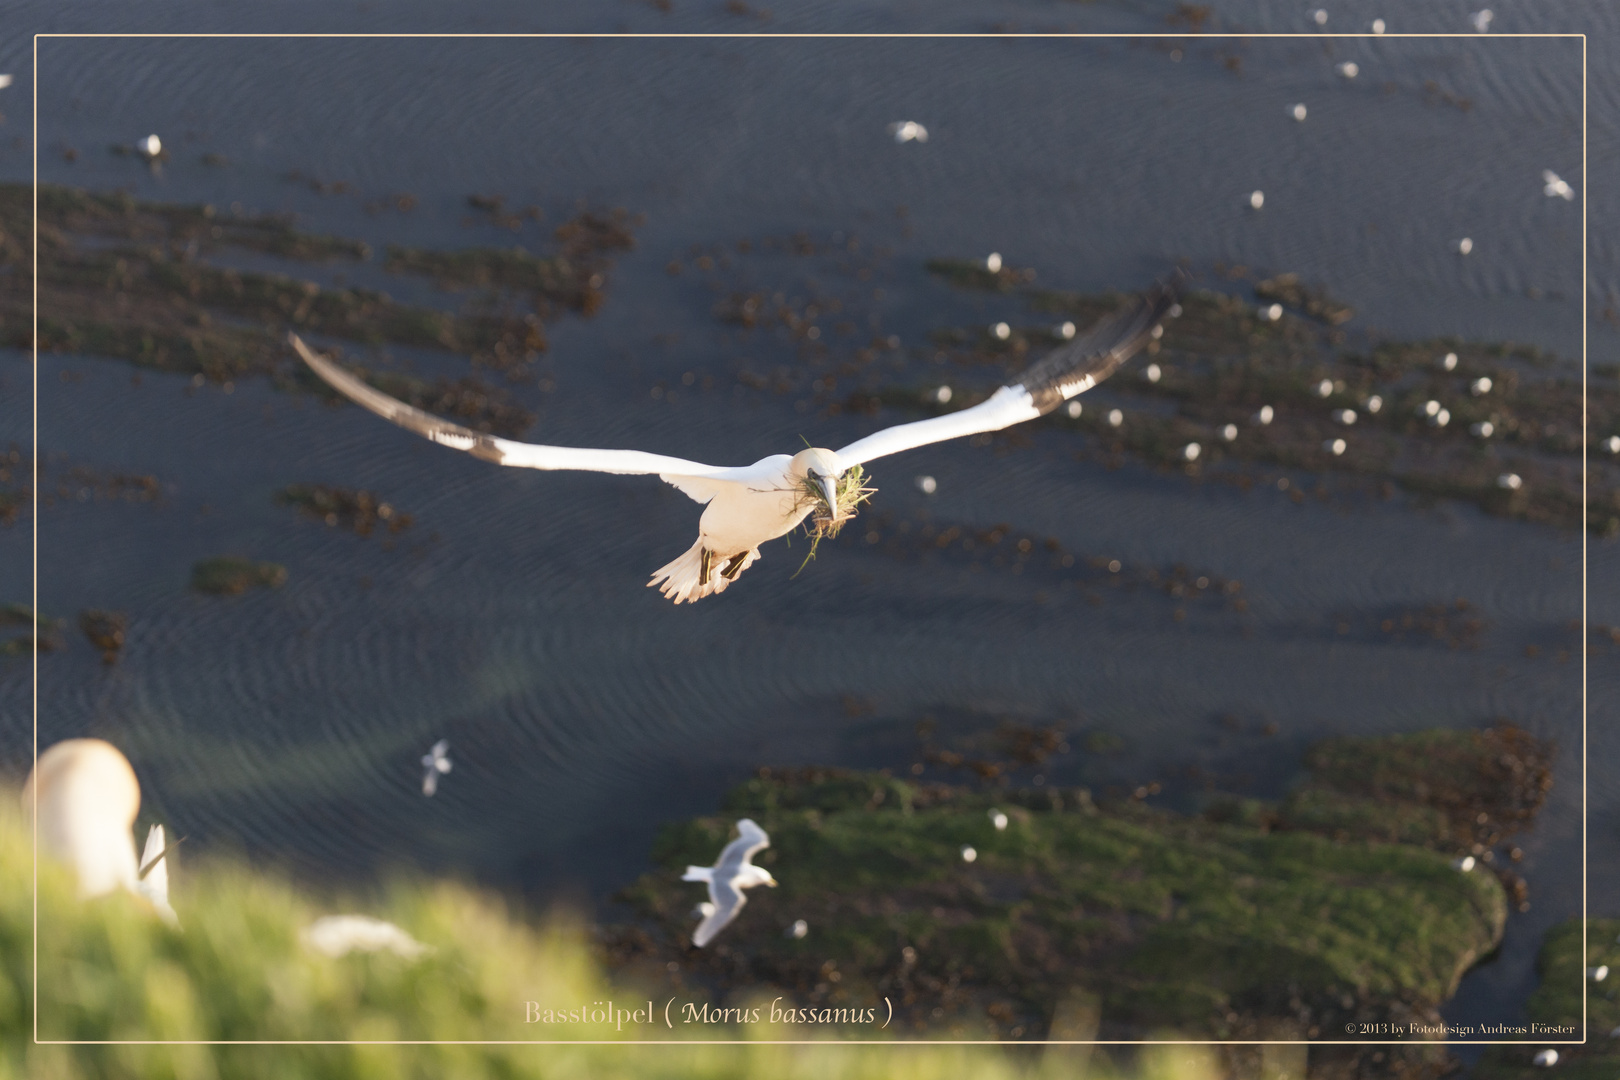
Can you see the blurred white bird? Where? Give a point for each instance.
(1481, 21)
(1348, 69)
(1297, 111)
(1556, 187)
(727, 878)
(908, 130)
(339, 935)
(152, 879)
(434, 762)
(5, 81)
(149, 147)
(86, 797)
(1546, 1058)
(1321, 16)
(1378, 26)
(1464, 246)
(998, 819)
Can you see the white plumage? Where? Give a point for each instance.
(748, 505)
(727, 878)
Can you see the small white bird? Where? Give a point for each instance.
(1002, 331)
(1153, 373)
(1374, 403)
(905, 131)
(1257, 199)
(969, 853)
(1484, 429)
(927, 485)
(1465, 864)
(1074, 409)
(1115, 418)
(5, 81)
(1546, 1058)
(1191, 451)
(1464, 246)
(434, 762)
(1448, 362)
(1064, 332)
(746, 506)
(149, 147)
(1320, 16)
(1230, 432)
(1509, 481)
(1480, 386)
(798, 930)
(727, 878)
(998, 819)
(942, 395)
(1556, 187)
(1612, 444)
(992, 262)
(1297, 111)
(339, 935)
(1481, 21)
(1265, 415)
(1334, 446)
(1272, 312)
(1348, 69)
(1599, 973)
(1378, 26)
(1324, 388)
(1345, 416)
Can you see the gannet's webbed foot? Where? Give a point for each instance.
(705, 561)
(734, 567)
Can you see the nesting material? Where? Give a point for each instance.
(827, 521)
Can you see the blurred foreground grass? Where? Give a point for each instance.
(109, 970)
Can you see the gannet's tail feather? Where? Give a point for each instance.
(699, 573)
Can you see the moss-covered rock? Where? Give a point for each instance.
(1567, 992)
(1312, 913)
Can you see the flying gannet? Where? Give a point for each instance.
(727, 878)
(750, 504)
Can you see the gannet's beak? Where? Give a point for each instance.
(829, 485)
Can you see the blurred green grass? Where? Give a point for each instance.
(110, 970)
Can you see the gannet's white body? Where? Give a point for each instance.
(727, 878)
(749, 505)
(86, 796)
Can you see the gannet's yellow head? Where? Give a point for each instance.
(823, 469)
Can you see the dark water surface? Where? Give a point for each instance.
(583, 710)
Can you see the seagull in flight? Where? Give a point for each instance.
(747, 505)
(727, 878)
(434, 762)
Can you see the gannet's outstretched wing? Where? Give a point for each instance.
(693, 477)
(751, 841)
(1068, 370)
(725, 900)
